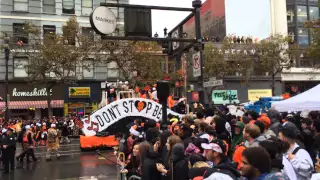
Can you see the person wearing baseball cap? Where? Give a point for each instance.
(223, 167)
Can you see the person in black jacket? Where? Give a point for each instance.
(148, 160)
(8, 150)
(178, 166)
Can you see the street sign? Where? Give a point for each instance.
(175, 35)
(196, 64)
(213, 83)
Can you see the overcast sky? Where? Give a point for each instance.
(168, 19)
(243, 17)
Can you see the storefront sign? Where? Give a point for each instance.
(103, 20)
(35, 92)
(255, 94)
(225, 96)
(117, 110)
(79, 92)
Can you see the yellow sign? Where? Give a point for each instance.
(255, 94)
(79, 92)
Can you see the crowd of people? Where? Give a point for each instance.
(32, 133)
(212, 144)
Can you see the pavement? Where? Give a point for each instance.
(72, 165)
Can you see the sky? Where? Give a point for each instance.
(243, 17)
(168, 19)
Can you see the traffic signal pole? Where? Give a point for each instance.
(196, 4)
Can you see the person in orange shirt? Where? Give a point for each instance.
(170, 101)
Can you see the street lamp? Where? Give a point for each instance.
(6, 55)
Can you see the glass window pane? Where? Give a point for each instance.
(68, 4)
(49, 9)
(113, 73)
(290, 15)
(86, 3)
(112, 65)
(303, 36)
(20, 6)
(86, 11)
(26, 1)
(52, 2)
(19, 67)
(302, 14)
(313, 13)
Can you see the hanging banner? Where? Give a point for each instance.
(117, 110)
(225, 97)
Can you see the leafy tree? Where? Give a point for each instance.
(220, 61)
(52, 57)
(313, 50)
(139, 62)
(273, 55)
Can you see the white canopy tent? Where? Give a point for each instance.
(306, 101)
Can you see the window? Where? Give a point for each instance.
(68, 7)
(49, 6)
(70, 38)
(88, 32)
(19, 34)
(88, 69)
(313, 13)
(20, 69)
(20, 5)
(302, 14)
(49, 30)
(86, 7)
(303, 36)
(113, 70)
(290, 15)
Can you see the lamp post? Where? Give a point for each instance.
(6, 54)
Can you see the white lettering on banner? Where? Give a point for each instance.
(117, 110)
(35, 92)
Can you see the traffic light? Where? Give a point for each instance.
(165, 47)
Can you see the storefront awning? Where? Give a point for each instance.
(32, 104)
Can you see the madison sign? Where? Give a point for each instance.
(115, 111)
(103, 20)
(35, 92)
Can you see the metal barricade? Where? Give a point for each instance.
(134, 177)
(121, 176)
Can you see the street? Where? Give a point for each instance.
(72, 165)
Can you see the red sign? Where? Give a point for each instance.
(195, 96)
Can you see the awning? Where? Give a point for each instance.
(33, 104)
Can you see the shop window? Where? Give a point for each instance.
(21, 5)
(19, 34)
(49, 6)
(20, 69)
(88, 69)
(87, 7)
(302, 14)
(303, 36)
(113, 70)
(68, 7)
(313, 13)
(88, 32)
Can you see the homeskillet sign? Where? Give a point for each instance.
(103, 20)
(115, 111)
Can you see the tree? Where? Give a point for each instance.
(221, 61)
(313, 50)
(273, 55)
(52, 57)
(139, 62)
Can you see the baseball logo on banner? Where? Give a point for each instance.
(196, 64)
(117, 110)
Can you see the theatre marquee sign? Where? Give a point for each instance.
(36, 92)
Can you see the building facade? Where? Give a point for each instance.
(304, 76)
(221, 18)
(50, 16)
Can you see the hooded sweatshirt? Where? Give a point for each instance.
(179, 167)
(237, 138)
